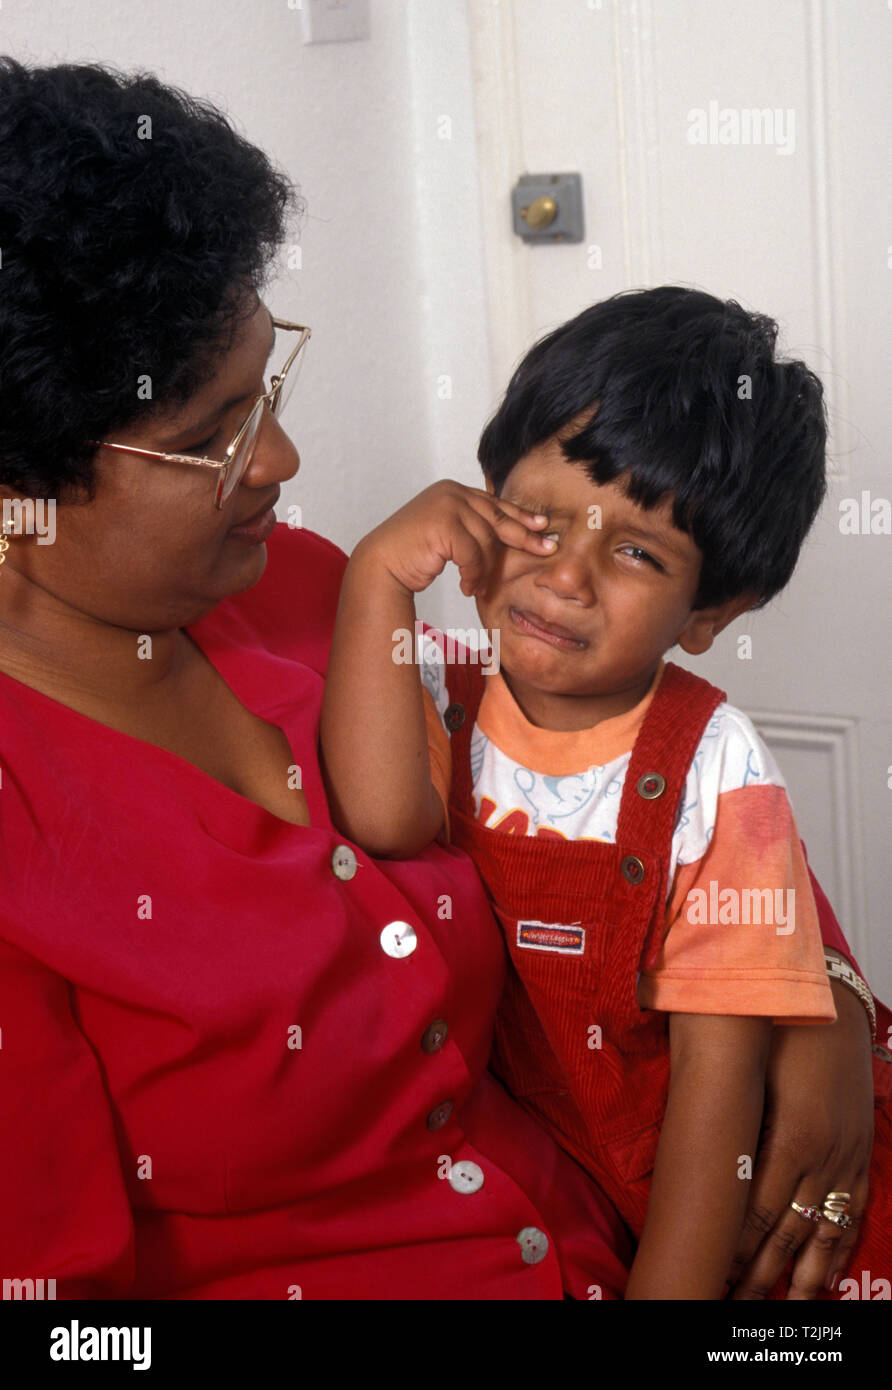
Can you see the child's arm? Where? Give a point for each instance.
(372, 737)
(698, 1199)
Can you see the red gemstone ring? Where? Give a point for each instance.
(810, 1213)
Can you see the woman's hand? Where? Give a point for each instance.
(449, 521)
(817, 1138)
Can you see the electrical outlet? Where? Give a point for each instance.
(334, 21)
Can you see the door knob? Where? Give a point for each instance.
(540, 213)
(548, 207)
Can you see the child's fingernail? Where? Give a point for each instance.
(551, 544)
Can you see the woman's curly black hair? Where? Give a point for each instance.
(134, 221)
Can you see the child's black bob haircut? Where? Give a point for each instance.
(691, 403)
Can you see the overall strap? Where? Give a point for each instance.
(673, 726)
(465, 683)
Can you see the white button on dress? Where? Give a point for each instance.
(533, 1245)
(343, 863)
(398, 939)
(466, 1177)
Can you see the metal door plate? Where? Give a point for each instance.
(566, 189)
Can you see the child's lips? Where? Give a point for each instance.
(533, 626)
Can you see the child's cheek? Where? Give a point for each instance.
(511, 575)
(490, 609)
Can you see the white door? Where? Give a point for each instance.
(797, 226)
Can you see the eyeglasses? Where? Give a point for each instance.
(233, 465)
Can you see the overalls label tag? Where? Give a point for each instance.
(551, 936)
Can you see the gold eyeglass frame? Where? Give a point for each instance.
(269, 397)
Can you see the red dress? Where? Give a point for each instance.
(236, 1060)
(580, 920)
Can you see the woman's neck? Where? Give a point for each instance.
(78, 659)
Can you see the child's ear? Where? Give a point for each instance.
(705, 624)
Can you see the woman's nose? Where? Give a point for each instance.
(275, 458)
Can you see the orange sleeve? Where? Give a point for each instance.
(743, 935)
(440, 753)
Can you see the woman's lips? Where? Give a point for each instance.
(533, 626)
(257, 531)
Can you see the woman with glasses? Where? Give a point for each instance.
(239, 1058)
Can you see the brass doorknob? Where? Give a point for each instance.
(540, 213)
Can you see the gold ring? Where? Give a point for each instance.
(839, 1218)
(810, 1213)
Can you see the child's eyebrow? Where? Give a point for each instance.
(533, 506)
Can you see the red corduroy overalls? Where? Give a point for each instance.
(581, 919)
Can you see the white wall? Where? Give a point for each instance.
(390, 278)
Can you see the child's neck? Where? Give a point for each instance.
(571, 713)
